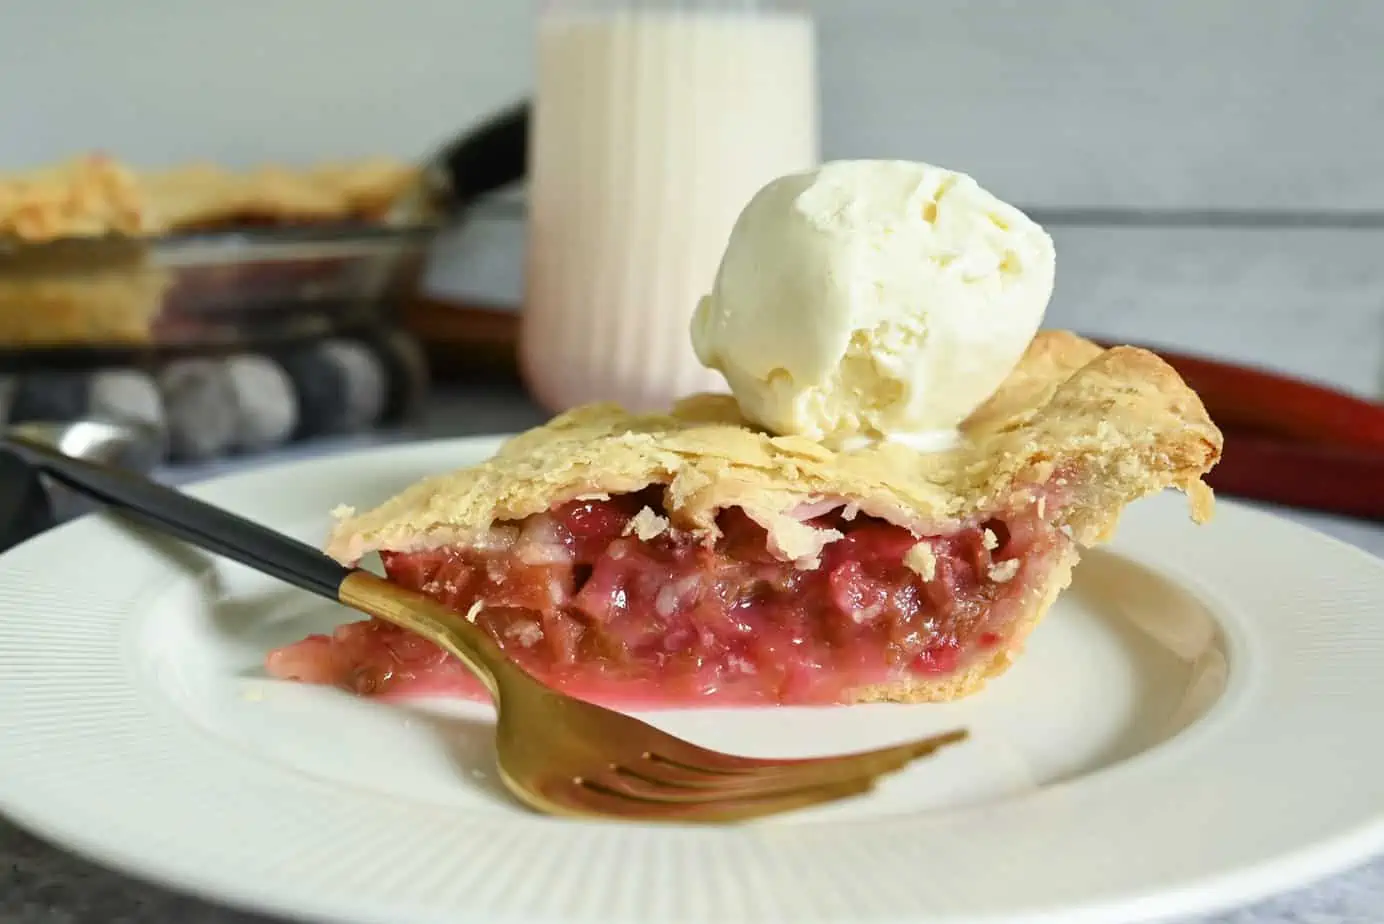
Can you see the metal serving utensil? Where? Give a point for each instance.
(28, 507)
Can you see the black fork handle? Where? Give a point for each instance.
(170, 511)
(488, 157)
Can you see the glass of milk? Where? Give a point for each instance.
(654, 123)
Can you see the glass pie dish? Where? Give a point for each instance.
(106, 299)
(100, 263)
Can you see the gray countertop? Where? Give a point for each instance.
(40, 884)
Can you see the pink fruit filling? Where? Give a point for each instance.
(580, 601)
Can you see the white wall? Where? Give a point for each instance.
(159, 81)
(1175, 103)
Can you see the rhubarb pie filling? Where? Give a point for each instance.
(607, 600)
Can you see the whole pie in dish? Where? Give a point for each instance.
(96, 195)
(120, 288)
(687, 558)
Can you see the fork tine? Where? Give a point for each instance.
(623, 782)
(768, 780)
(678, 755)
(578, 799)
(667, 782)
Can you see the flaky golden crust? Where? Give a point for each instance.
(1119, 424)
(88, 197)
(96, 196)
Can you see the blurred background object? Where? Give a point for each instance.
(246, 308)
(1206, 169)
(654, 123)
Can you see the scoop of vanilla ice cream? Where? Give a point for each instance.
(873, 300)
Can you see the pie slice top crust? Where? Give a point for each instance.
(1102, 427)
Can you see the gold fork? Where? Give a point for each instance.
(564, 756)
(555, 753)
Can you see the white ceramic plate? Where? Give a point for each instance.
(1195, 725)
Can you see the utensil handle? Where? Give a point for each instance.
(24, 507)
(489, 157)
(173, 512)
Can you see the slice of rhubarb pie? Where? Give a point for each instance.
(687, 558)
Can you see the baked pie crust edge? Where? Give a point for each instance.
(96, 195)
